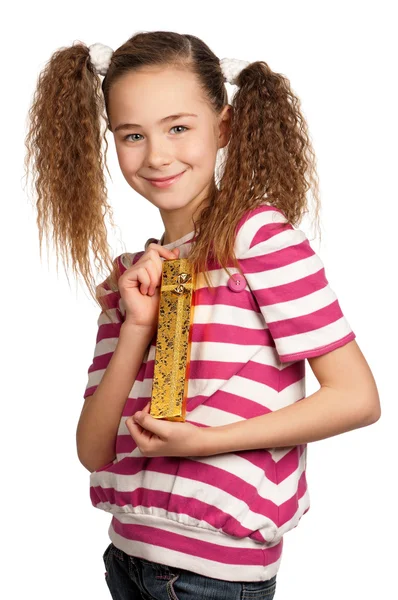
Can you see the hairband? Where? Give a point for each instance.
(101, 55)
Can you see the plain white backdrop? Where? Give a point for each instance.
(340, 58)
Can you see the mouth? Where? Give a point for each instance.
(165, 182)
(164, 178)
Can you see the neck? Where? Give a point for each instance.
(179, 223)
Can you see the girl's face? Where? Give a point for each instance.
(150, 144)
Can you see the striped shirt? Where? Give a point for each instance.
(224, 516)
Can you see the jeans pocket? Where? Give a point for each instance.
(184, 585)
(259, 590)
(158, 579)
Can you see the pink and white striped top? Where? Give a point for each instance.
(224, 516)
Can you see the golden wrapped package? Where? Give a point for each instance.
(173, 343)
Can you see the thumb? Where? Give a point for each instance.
(137, 416)
(149, 423)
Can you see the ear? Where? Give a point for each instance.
(225, 121)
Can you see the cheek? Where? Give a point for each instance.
(126, 159)
(201, 154)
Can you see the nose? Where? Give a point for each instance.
(158, 154)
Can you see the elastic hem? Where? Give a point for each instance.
(203, 551)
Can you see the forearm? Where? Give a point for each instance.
(100, 418)
(325, 413)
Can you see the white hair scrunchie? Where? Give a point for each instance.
(231, 67)
(100, 56)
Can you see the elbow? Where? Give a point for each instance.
(373, 416)
(93, 462)
(372, 413)
(86, 464)
(92, 459)
(89, 468)
(85, 458)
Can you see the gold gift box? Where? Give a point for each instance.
(173, 343)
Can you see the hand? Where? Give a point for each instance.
(139, 286)
(158, 437)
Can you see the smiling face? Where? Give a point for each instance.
(150, 147)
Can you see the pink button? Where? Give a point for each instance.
(236, 282)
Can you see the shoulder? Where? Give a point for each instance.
(127, 259)
(260, 225)
(120, 264)
(108, 291)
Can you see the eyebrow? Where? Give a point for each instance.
(169, 118)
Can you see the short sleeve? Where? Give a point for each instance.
(108, 328)
(288, 281)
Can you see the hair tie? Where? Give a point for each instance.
(100, 57)
(231, 68)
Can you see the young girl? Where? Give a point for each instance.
(199, 508)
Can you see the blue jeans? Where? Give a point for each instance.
(131, 578)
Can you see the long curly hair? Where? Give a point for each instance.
(268, 159)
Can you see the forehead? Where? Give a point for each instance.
(150, 94)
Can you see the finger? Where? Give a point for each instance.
(136, 417)
(147, 407)
(155, 271)
(161, 250)
(156, 263)
(155, 426)
(155, 267)
(153, 250)
(139, 434)
(135, 430)
(144, 278)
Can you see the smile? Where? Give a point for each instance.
(166, 182)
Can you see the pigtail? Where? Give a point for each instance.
(63, 144)
(269, 160)
(270, 142)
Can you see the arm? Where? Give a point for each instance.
(101, 412)
(348, 399)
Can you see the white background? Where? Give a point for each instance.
(340, 58)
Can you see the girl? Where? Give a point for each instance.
(199, 508)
